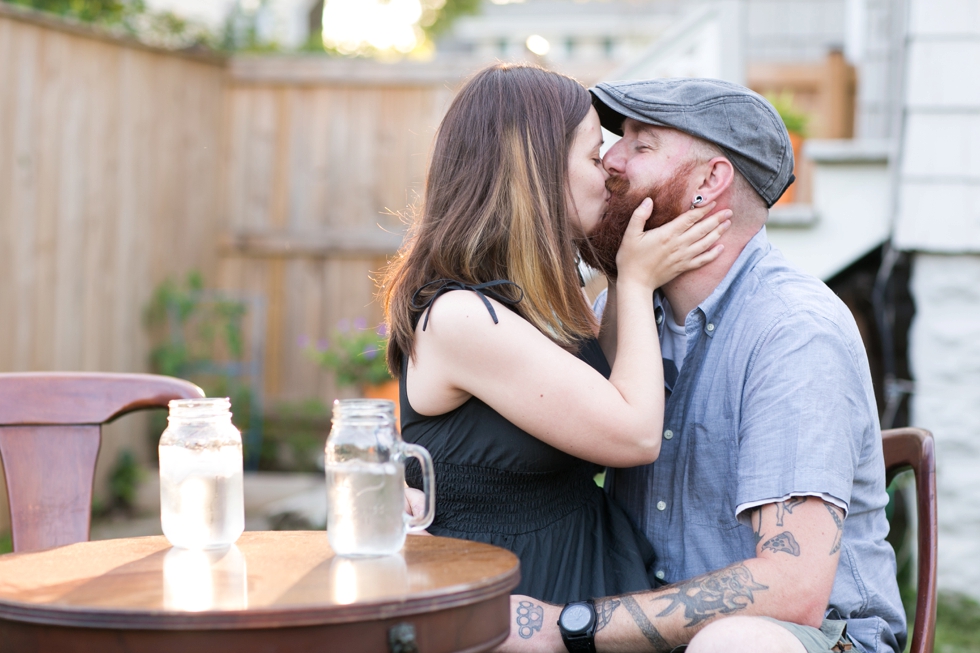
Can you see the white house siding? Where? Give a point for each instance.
(938, 218)
(785, 31)
(878, 53)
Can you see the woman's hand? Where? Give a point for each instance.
(688, 242)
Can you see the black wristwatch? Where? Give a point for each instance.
(577, 624)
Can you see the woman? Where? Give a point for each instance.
(501, 377)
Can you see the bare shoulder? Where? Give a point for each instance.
(460, 343)
(460, 316)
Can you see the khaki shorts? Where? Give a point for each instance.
(831, 637)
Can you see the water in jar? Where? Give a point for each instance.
(201, 498)
(365, 507)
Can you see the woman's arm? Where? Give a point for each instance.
(543, 389)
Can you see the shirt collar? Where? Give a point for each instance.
(714, 306)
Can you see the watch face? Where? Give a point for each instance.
(576, 617)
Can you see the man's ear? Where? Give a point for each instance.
(719, 176)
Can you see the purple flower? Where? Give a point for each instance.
(360, 323)
(322, 345)
(343, 326)
(382, 330)
(370, 352)
(303, 341)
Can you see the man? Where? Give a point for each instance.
(766, 506)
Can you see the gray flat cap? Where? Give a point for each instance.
(739, 121)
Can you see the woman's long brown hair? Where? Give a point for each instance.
(495, 205)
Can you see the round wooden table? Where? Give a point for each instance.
(273, 591)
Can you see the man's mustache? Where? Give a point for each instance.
(617, 185)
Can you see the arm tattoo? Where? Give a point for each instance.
(784, 507)
(648, 629)
(838, 516)
(784, 542)
(757, 525)
(724, 591)
(604, 610)
(530, 617)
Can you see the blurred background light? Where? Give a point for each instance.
(538, 45)
(352, 26)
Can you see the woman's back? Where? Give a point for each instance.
(496, 483)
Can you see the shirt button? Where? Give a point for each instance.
(661, 505)
(668, 434)
(660, 574)
(710, 327)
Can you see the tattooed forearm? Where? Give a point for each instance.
(721, 592)
(783, 543)
(530, 616)
(838, 516)
(786, 507)
(648, 629)
(604, 609)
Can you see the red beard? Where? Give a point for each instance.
(670, 200)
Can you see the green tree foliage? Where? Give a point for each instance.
(437, 19)
(92, 11)
(131, 18)
(240, 32)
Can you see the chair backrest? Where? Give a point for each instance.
(914, 448)
(50, 431)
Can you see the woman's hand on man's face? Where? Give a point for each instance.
(652, 258)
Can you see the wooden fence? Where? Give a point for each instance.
(323, 157)
(122, 165)
(109, 182)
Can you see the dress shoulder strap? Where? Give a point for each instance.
(440, 286)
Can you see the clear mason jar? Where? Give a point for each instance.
(201, 496)
(364, 461)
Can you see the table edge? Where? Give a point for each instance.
(273, 617)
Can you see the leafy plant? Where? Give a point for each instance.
(293, 435)
(796, 121)
(198, 335)
(356, 354)
(124, 480)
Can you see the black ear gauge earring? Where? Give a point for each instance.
(697, 200)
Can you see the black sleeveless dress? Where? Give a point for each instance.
(498, 484)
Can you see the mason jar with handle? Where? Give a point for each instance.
(201, 484)
(364, 460)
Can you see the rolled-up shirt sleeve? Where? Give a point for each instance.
(801, 403)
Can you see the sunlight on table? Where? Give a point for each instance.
(195, 581)
(359, 579)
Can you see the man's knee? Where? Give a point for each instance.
(744, 635)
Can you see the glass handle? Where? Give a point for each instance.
(422, 522)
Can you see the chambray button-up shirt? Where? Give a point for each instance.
(773, 399)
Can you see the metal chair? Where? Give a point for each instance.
(50, 432)
(914, 448)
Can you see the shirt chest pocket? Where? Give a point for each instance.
(707, 473)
